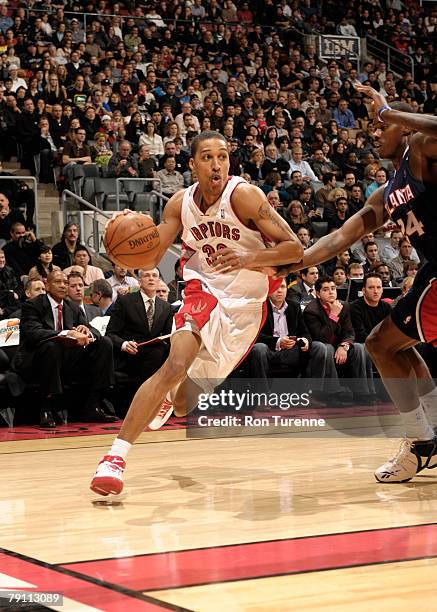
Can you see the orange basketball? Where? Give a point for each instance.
(131, 240)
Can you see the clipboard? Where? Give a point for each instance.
(154, 340)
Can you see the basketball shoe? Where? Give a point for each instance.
(412, 457)
(109, 475)
(163, 415)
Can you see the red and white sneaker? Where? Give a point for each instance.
(109, 476)
(163, 415)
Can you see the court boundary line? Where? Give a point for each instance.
(272, 541)
(295, 573)
(102, 583)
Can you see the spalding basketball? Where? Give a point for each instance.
(131, 240)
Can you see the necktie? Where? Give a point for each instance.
(150, 312)
(59, 322)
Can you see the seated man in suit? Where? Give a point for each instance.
(76, 293)
(329, 322)
(303, 291)
(135, 318)
(56, 344)
(101, 295)
(283, 341)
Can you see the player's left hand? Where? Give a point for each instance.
(228, 260)
(378, 99)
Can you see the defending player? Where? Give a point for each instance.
(226, 262)
(409, 200)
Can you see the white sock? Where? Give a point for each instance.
(429, 404)
(120, 448)
(417, 425)
(169, 398)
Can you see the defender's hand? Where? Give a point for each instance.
(378, 99)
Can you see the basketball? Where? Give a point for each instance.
(131, 240)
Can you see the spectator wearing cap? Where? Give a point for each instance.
(16, 80)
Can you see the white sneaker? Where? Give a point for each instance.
(411, 458)
(109, 475)
(163, 415)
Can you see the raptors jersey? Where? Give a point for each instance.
(411, 204)
(205, 234)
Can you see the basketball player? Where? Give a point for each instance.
(224, 222)
(409, 200)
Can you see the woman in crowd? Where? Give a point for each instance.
(253, 167)
(82, 258)
(54, 92)
(152, 139)
(171, 132)
(44, 265)
(295, 215)
(135, 129)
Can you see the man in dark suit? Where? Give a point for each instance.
(101, 295)
(76, 293)
(303, 291)
(329, 322)
(56, 344)
(135, 318)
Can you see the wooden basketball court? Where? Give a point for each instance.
(253, 523)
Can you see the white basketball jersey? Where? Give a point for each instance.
(219, 227)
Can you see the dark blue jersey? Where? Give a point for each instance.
(410, 203)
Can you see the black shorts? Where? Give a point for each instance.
(416, 313)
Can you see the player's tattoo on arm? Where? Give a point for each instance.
(266, 213)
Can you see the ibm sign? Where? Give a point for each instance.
(336, 47)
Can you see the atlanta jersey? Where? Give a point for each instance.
(411, 204)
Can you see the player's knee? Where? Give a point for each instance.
(176, 368)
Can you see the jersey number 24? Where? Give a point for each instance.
(413, 225)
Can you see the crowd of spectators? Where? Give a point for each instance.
(128, 87)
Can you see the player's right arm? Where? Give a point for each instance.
(369, 218)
